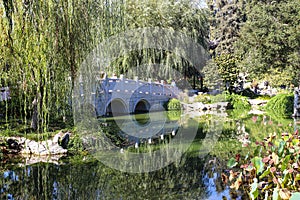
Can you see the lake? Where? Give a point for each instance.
(194, 170)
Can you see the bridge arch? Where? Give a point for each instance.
(116, 107)
(142, 106)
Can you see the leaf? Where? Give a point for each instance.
(258, 164)
(257, 151)
(254, 189)
(285, 162)
(231, 163)
(297, 178)
(295, 196)
(266, 172)
(281, 147)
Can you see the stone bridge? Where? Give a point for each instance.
(119, 96)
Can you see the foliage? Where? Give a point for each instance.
(43, 44)
(174, 115)
(271, 170)
(221, 72)
(227, 69)
(264, 97)
(226, 20)
(75, 144)
(212, 78)
(219, 97)
(174, 104)
(269, 41)
(281, 105)
(203, 98)
(238, 102)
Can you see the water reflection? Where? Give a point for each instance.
(196, 175)
(93, 180)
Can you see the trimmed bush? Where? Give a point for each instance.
(174, 104)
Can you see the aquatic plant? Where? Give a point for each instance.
(271, 170)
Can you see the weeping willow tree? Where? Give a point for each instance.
(44, 42)
(179, 16)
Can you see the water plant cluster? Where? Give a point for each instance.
(271, 171)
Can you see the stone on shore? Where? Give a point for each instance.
(41, 148)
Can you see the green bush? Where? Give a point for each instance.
(239, 102)
(281, 105)
(174, 115)
(174, 104)
(203, 98)
(218, 98)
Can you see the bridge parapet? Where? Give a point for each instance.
(123, 85)
(111, 95)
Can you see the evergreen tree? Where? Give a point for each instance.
(270, 40)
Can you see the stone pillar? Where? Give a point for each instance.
(296, 103)
(150, 86)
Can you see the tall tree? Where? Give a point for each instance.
(44, 42)
(270, 40)
(226, 20)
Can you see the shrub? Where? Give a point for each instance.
(174, 115)
(218, 98)
(174, 104)
(281, 105)
(239, 102)
(203, 98)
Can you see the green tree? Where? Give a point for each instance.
(226, 20)
(270, 40)
(44, 43)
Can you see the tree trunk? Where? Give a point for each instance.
(35, 115)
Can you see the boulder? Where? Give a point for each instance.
(30, 147)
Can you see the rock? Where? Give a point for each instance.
(13, 144)
(62, 139)
(65, 140)
(30, 147)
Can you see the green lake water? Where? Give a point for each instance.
(194, 175)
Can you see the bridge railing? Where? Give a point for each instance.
(138, 86)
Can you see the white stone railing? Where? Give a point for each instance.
(137, 86)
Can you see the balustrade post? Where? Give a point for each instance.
(163, 87)
(122, 87)
(136, 78)
(150, 86)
